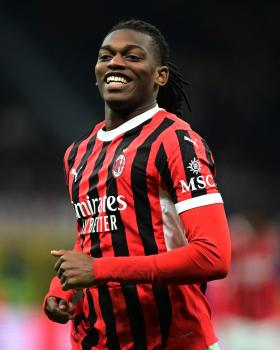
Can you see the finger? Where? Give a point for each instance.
(51, 302)
(58, 263)
(70, 307)
(63, 305)
(63, 279)
(65, 285)
(59, 252)
(60, 271)
(67, 306)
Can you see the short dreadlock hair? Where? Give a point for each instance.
(172, 95)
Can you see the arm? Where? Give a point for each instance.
(206, 257)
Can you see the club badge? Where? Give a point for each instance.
(118, 165)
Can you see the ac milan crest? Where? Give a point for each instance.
(118, 165)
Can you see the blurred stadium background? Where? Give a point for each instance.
(48, 98)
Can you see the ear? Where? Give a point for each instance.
(162, 75)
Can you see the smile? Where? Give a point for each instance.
(112, 78)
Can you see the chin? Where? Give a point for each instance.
(118, 103)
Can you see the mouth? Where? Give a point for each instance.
(116, 79)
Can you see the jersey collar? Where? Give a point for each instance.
(130, 124)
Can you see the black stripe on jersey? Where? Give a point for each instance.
(71, 158)
(119, 237)
(92, 337)
(209, 158)
(203, 286)
(164, 308)
(106, 307)
(82, 165)
(144, 221)
(104, 298)
(120, 247)
(188, 154)
(76, 184)
(73, 153)
(135, 315)
(140, 191)
(95, 250)
(162, 166)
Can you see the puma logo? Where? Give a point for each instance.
(75, 173)
(192, 141)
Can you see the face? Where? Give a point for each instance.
(127, 70)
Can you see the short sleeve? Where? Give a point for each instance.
(187, 170)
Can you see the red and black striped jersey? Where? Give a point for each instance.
(127, 187)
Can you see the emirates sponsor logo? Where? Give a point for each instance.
(118, 165)
(98, 213)
(101, 205)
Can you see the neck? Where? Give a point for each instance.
(115, 118)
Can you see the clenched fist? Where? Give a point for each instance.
(74, 269)
(59, 310)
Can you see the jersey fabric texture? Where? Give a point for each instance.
(127, 187)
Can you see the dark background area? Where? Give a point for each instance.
(48, 97)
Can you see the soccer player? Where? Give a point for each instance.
(151, 226)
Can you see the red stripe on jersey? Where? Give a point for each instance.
(123, 326)
(124, 185)
(149, 308)
(66, 162)
(75, 167)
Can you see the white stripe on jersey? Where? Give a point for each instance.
(174, 233)
(195, 202)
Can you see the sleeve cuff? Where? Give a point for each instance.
(58, 293)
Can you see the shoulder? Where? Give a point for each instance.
(72, 150)
(178, 132)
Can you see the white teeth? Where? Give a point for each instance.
(116, 79)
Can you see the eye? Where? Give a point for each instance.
(104, 57)
(133, 58)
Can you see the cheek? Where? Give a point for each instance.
(149, 76)
(98, 71)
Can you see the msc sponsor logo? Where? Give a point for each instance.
(197, 183)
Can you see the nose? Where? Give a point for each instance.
(116, 61)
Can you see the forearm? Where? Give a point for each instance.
(186, 265)
(206, 257)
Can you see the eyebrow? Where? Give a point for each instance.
(126, 48)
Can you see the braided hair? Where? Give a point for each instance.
(172, 95)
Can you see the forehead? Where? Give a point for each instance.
(127, 37)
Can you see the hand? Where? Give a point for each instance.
(74, 269)
(59, 310)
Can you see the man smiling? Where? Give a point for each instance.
(151, 225)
